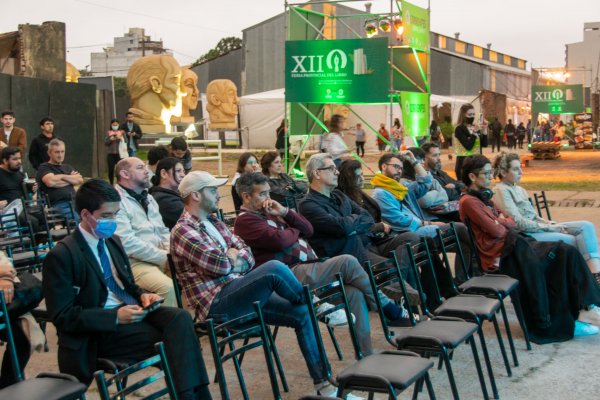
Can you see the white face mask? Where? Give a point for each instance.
(115, 127)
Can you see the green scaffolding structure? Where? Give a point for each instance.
(401, 74)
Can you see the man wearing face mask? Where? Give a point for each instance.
(99, 311)
(142, 230)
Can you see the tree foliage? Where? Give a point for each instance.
(224, 46)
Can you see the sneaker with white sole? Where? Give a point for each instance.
(328, 390)
(591, 315)
(336, 318)
(585, 329)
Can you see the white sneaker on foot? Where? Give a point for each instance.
(328, 390)
(585, 329)
(336, 318)
(591, 315)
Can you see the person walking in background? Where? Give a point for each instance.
(397, 135)
(521, 132)
(509, 132)
(466, 137)
(383, 133)
(360, 140)
(114, 148)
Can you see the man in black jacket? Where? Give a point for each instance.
(38, 149)
(97, 308)
(133, 133)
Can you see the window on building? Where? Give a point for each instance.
(460, 47)
(442, 42)
(477, 52)
(493, 56)
(522, 64)
(506, 59)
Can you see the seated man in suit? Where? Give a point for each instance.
(97, 308)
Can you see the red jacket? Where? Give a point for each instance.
(489, 226)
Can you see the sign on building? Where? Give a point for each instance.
(337, 71)
(415, 113)
(557, 99)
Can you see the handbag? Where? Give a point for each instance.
(28, 295)
(123, 153)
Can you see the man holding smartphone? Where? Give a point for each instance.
(99, 311)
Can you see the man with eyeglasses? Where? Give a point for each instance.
(397, 199)
(142, 230)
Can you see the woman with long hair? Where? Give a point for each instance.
(466, 137)
(284, 188)
(333, 143)
(169, 173)
(397, 134)
(247, 162)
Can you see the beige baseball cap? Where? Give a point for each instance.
(198, 180)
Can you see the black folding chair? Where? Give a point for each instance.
(46, 386)
(389, 372)
(470, 307)
(253, 330)
(541, 203)
(122, 391)
(437, 336)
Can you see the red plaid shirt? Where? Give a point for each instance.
(201, 262)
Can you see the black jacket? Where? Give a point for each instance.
(75, 294)
(136, 137)
(340, 225)
(38, 150)
(170, 205)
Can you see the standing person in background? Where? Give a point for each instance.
(384, 133)
(529, 131)
(112, 141)
(247, 162)
(38, 149)
(397, 134)
(361, 137)
(133, 133)
(466, 137)
(496, 130)
(13, 136)
(509, 132)
(179, 149)
(333, 142)
(521, 132)
(435, 134)
(280, 144)
(561, 131)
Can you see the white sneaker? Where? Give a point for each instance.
(585, 329)
(336, 318)
(591, 315)
(331, 391)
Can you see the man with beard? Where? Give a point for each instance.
(433, 164)
(142, 230)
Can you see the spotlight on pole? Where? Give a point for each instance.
(385, 25)
(398, 25)
(371, 28)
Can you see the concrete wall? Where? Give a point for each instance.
(43, 51)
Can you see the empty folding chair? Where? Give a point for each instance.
(541, 203)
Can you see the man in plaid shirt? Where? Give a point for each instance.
(214, 269)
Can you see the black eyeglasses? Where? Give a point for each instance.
(331, 168)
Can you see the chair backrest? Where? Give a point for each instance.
(11, 232)
(447, 240)
(332, 293)
(222, 337)
(420, 262)
(158, 361)
(474, 249)
(10, 342)
(542, 204)
(176, 286)
(381, 275)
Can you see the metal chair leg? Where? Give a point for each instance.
(335, 343)
(444, 354)
(275, 352)
(478, 367)
(511, 342)
(488, 364)
(429, 386)
(502, 348)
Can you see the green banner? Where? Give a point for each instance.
(416, 26)
(337, 71)
(415, 113)
(557, 99)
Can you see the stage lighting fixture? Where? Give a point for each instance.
(385, 25)
(398, 25)
(371, 28)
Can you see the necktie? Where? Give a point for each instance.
(109, 279)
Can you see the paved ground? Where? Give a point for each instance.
(556, 371)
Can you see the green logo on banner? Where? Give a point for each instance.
(415, 113)
(557, 99)
(336, 71)
(416, 26)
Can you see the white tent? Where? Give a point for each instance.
(261, 114)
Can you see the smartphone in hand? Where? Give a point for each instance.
(154, 305)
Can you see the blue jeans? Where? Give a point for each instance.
(283, 304)
(581, 234)
(132, 153)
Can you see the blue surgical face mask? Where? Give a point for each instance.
(105, 228)
(115, 127)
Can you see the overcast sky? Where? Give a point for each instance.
(535, 30)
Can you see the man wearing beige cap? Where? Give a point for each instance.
(214, 269)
